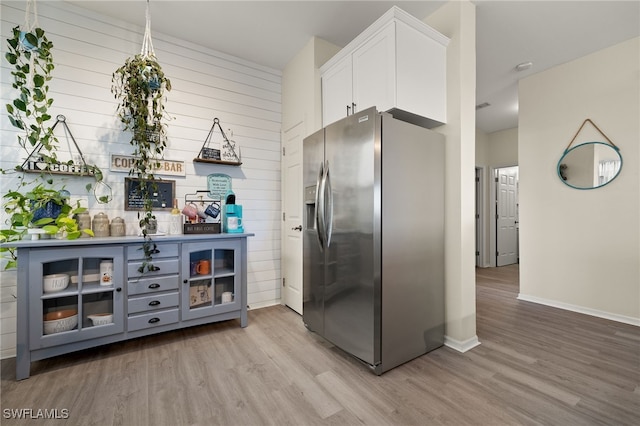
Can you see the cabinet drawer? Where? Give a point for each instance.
(152, 285)
(164, 250)
(153, 302)
(163, 267)
(153, 319)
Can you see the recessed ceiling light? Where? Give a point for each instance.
(524, 66)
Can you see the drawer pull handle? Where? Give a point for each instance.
(154, 320)
(154, 285)
(155, 251)
(154, 268)
(154, 303)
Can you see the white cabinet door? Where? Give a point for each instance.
(374, 72)
(396, 67)
(421, 79)
(337, 92)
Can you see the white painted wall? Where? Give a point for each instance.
(503, 148)
(456, 20)
(580, 250)
(246, 97)
(301, 87)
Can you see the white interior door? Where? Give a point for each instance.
(507, 216)
(291, 263)
(479, 219)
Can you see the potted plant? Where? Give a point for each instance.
(41, 208)
(140, 86)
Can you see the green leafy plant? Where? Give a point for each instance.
(140, 86)
(30, 54)
(39, 207)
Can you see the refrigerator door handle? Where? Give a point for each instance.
(328, 193)
(320, 207)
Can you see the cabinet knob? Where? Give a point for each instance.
(185, 281)
(119, 289)
(154, 285)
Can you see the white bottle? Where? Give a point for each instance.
(175, 220)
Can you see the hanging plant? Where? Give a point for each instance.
(29, 52)
(140, 86)
(33, 65)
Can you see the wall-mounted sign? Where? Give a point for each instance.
(123, 163)
(161, 193)
(218, 184)
(39, 165)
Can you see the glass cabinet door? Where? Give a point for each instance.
(210, 273)
(75, 295)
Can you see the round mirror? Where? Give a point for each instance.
(590, 165)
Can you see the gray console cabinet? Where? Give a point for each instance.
(198, 279)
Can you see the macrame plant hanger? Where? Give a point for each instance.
(147, 45)
(28, 26)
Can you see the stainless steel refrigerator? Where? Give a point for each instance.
(374, 238)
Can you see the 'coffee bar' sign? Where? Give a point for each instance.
(123, 163)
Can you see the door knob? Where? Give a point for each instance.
(297, 228)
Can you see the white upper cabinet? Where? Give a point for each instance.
(398, 65)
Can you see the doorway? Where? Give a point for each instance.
(507, 223)
(480, 217)
(291, 266)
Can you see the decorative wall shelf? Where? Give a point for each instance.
(225, 155)
(211, 161)
(34, 163)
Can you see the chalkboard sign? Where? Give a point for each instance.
(162, 194)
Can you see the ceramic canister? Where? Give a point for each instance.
(100, 225)
(84, 222)
(118, 227)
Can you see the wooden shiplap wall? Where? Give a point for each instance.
(246, 97)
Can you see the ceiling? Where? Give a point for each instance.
(270, 33)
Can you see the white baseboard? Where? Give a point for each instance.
(460, 345)
(580, 309)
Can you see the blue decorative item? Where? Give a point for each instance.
(49, 210)
(25, 43)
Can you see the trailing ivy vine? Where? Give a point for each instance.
(140, 86)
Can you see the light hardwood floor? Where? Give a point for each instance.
(535, 365)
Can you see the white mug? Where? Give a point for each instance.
(106, 272)
(227, 297)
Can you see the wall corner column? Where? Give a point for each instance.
(457, 20)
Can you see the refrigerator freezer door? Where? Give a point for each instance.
(352, 275)
(314, 269)
(412, 242)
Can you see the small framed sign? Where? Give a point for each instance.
(162, 194)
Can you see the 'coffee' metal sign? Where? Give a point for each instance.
(39, 165)
(123, 163)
